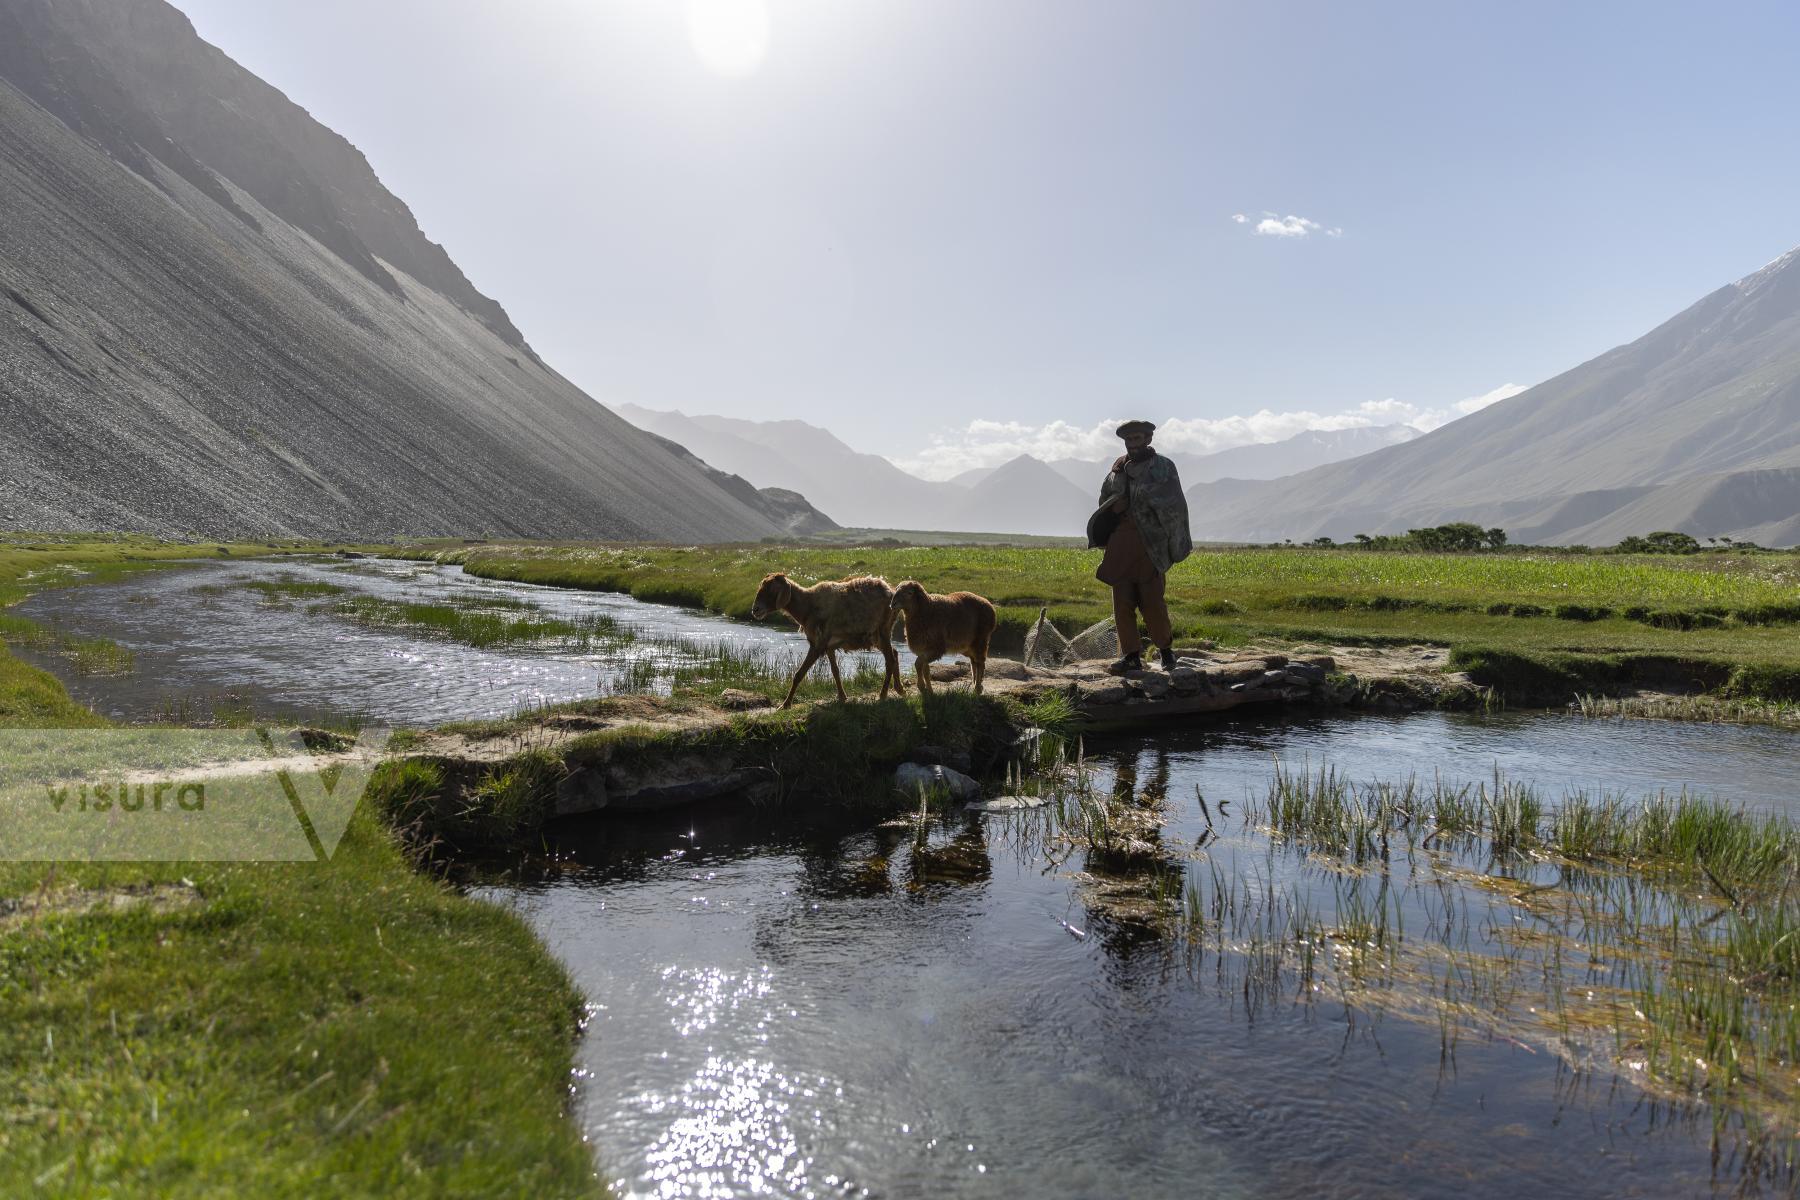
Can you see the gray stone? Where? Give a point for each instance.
(1007, 804)
(1154, 686)
(1116, 693)
(1006, 668)
(1186, 679)
(1305, 673)
(738, 700)
(912, 778)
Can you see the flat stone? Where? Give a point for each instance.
(1305, 673)
(949, 672)
(1154, 686)
(1006, 668)
(738, 700)
(1116, 693)
(1186, 679)
(1264, 662)
(1239, 672)
(1007, 804)
(912, 778)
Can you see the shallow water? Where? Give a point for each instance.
(200, 637)
(839, 1010)
(815, 1007)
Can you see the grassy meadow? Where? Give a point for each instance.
(1529, 623)
(347, 1027)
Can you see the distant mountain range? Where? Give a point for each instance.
(1259, 460)
(1693, 427)
(1023, 495)
(214, 319)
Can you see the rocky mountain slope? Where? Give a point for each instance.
(1302, 452)
(1693, 427)
(214, 319)
(1027, 496)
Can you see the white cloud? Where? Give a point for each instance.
(1476, 403)
(984, 443)
(1290, 226)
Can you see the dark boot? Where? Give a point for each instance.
(1125, 666)
(1168, 658)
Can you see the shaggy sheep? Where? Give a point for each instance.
(853, 614)
(960, 623)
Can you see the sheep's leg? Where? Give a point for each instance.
(978, 664)
(924, 671)
(831, 657)
(892, 657)
(812, 656)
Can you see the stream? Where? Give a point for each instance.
(808, 1005)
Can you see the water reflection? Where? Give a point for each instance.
(921, 979)
(244, 637)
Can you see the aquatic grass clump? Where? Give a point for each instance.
(1658, 935)
(477, 626)
(89, 655)
(286, 587)
(1733, 710)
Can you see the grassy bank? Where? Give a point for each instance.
(1539, 627)
(350, 1027)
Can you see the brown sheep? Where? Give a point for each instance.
(960, 623)
(853, 614)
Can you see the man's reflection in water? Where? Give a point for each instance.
(1132, 887)
(961, 861)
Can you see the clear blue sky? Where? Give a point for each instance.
(910, 215)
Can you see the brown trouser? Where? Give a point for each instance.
(1144, 596)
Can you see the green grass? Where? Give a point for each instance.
(283, 589)
(476, 623)
(342, 1028)
(1540, 627)
(350, 1027)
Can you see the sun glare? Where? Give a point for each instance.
(729, 36)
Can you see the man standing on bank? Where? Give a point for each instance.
(1143, 523)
